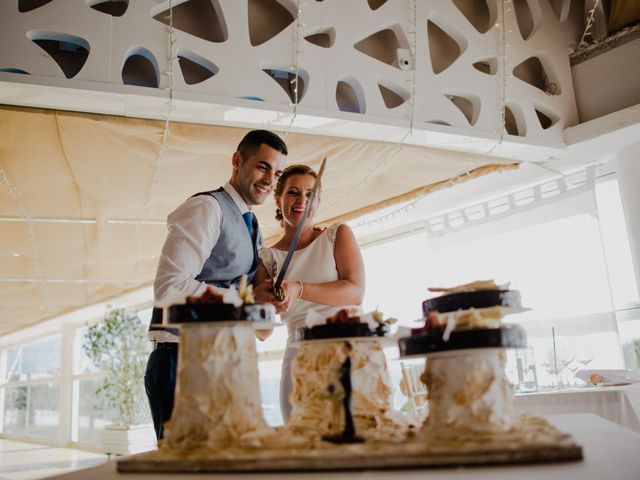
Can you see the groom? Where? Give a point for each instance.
(212, 241)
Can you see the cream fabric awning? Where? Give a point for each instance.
(84, 197)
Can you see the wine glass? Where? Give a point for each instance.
(573, 368)
(584, 355)
(567, 353)
(557, 360)
(552, 366)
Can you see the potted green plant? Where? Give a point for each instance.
(117, 345)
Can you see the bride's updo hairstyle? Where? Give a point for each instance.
(290, 171)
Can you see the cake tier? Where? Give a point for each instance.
(217, 397)
(467, 393)
(475, 299)
(339, 330)
(221, 312)
(511, 336)
(317, 396)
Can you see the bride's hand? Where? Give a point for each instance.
(293, 289)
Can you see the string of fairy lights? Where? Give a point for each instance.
(413, 33)
(503, 46)
(169, 107)
(505, 7)
(504, 30)
(295, 81)
(31, 236)
(166, 132)
(397, 147)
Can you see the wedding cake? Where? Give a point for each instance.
(324, 346)
(217, 397)
(464, 341)
(342, 415)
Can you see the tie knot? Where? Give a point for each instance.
(248, 220)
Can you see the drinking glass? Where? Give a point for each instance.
(573, 368)
(552, 366)
(557, 360)
(584, 355)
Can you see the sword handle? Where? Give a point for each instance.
(279, 293)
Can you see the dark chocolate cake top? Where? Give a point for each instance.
(453, 302)
(221, 312)
(430, 342)
(347, 322)
(340, 330)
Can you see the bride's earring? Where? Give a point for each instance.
(278, 212)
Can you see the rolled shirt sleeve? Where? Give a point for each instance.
(194, 228)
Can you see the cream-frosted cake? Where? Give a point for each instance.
(464, 339)
(468, 392)
(217, 397)
(317, 395)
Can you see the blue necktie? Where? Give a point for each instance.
(248, 219)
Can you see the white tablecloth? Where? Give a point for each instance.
(618, 404)
(610, 451)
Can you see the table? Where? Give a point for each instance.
(617, 404)
(610, 451)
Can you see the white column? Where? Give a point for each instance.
(66, 386)
(628, 172)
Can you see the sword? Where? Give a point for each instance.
(278, 291)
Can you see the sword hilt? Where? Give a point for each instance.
(279, 293)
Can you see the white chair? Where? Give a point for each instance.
(415, 390)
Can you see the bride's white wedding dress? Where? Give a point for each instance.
(315, 263)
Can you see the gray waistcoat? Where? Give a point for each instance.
(233, 254)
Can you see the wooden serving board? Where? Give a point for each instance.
(377, 456)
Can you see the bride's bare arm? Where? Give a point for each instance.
(349, 288)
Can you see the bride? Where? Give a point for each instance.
(326, 269)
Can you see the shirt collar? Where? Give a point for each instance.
(235, 196)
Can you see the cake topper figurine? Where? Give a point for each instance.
(348, 435)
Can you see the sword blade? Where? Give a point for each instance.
(296, 236)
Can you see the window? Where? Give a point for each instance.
(90, 411)
(270, 353)
(615, 239)
(43, 410)
(31, 389)
(553, 253)
(15, 410)
(622, 278)
(34, 361)
(269, 371)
